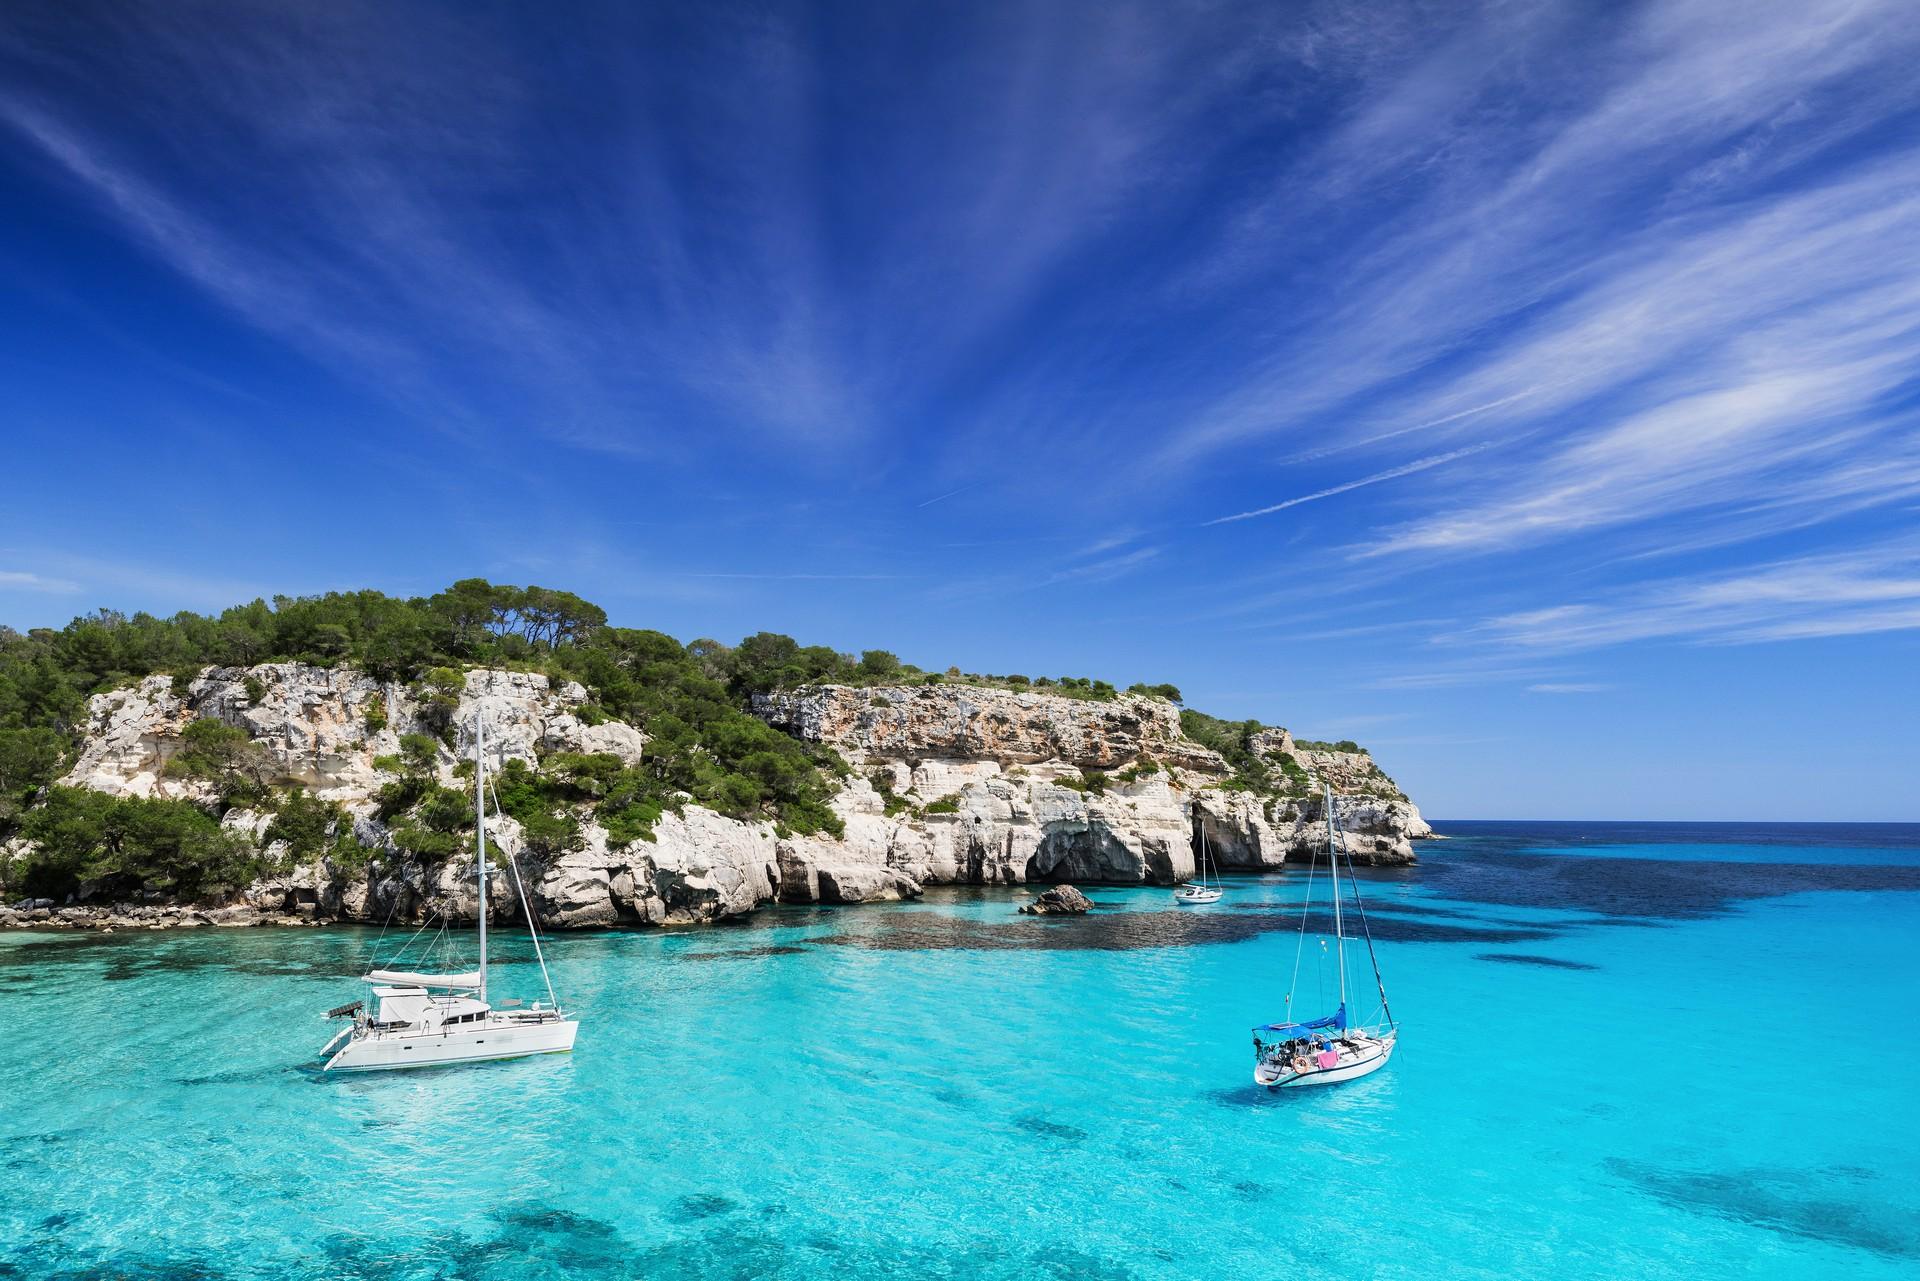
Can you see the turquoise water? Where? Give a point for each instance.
(1657, 1052)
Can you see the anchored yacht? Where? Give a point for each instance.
(432, 1020)
(1199, 894)
(1332, 1048)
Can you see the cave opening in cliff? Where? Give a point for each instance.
(1224, 842)
(1089, 851)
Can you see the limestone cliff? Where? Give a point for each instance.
(992, 786)
(951, 784)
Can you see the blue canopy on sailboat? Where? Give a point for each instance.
(1337, 1019)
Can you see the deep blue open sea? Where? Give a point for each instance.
(1645, 1050)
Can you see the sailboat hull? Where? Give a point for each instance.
(498, 1038)
(1196, 896)
(1368, 1059)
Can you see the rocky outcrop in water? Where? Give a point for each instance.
(951, 784)
(1061, 900)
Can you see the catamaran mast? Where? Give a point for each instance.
(1339, 934)
(480, 830)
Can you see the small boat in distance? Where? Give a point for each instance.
(1332, 1048)
(1199, 894)
(433, 1020)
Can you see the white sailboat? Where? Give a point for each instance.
(1199, 894)
(432, 1020)
(1332, 1048)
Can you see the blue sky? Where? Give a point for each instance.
(1526, 390)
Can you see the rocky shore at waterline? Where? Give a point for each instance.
(44, 914)
(947, 784)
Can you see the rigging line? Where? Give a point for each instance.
(1306, 906)
(432, 915)
(393, 906)
(526, 906)
(1367, 930)
(1339, 929)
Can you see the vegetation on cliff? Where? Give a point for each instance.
(690, 700)
(169, 848)
(1252, 771)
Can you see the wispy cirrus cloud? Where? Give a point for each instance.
(1104, 569)
(20, 580)
(799, 577)
(1674, 287)
(442, 232)
(1848, 593)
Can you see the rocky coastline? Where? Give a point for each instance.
(949, 784)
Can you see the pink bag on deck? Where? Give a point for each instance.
(1328, 1058)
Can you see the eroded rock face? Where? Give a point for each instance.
(1016, 815)
(322, 730)
(970, 723)
(1351, 773)
(985, 786)
(323, 727)
(996, 828)
(1379, 831)
(129, 737)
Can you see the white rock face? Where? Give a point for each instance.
(971, 723)
(130, 736)
(313, 723)
(1015, 819)
(987, 787)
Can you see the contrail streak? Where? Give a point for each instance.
(1392, 473)
(949, 494)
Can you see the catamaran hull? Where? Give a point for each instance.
(385, 1053)
(1280, 1076)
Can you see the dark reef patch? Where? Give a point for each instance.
(1528, 958)
(741, 953)
(1120, 931)
(1792, 1202)
(696, 1206)
(1039, 1123)
(1646, 889)
(955, 1098)
(237, 1075)
(1069, 1264)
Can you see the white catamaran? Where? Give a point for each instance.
(1199, 894)
(1332, 1048)
(431, 1020)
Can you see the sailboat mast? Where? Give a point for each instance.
(1339, 934)
(1202, 815)
(480, 831)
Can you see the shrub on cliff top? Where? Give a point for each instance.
(1169, 692)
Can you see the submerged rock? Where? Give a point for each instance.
(1061, 900)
